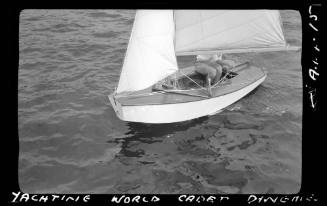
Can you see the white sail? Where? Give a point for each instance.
(200, 31)
(150, 55)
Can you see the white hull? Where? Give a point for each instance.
(168, 113)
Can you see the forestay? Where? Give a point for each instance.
(202, 31)
(150, 55)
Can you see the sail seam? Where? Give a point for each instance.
(205, 19)
(220, 32)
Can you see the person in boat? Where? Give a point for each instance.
(212, 68)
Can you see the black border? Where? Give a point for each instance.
(312, 136)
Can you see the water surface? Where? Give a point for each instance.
(72, 142)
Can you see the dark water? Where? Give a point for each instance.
(72, 142)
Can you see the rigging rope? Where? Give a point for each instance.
(193, 80)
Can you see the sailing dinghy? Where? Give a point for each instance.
(152, 89)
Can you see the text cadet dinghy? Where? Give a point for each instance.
(152, 89)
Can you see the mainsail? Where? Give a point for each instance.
(229, 31)
(159, 35)
(150, 55)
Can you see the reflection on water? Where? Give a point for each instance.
(72, 142)
(150, 133)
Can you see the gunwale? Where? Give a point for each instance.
(246, 76)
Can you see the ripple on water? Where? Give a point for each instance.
(72, 142)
